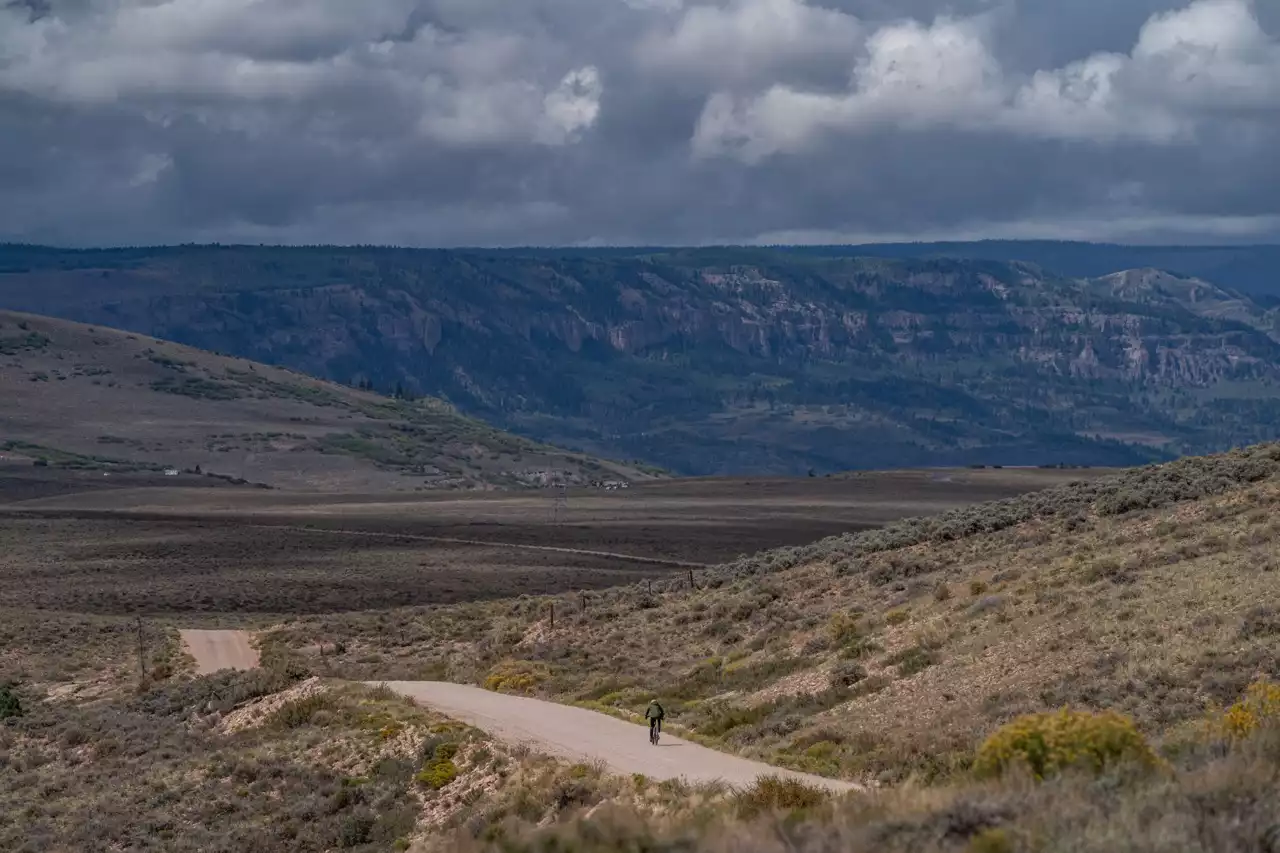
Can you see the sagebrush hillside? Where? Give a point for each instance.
(892, 653)
(97, 399)
(722, 360)
(931, 660)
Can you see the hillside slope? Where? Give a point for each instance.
(723, 360)
(895, 651)
(96, 399)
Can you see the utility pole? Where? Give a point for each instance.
(142, 656)
(560, 508)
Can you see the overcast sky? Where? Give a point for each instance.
(518, 122)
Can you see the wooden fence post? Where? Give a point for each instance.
(552, 608)
(142, 655)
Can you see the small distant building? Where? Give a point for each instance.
(171, 472)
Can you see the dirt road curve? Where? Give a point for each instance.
(581, 735)
(215, 650)
(573, 733)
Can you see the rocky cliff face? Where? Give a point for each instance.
(720, 361)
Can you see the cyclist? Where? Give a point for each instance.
(655, 715)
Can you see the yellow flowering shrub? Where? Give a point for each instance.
(516, 676)
(1048, 743)
(1259, 707)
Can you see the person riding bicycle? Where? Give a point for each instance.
(655, 715)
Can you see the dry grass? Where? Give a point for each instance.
(1216, 804)
(84, 656)
(262, 761)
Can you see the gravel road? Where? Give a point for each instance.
(572, 733)
(215, 650)
(581, 735)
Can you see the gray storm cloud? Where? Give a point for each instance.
(445, 122)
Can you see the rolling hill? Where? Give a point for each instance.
(729, 360)
(101, 401)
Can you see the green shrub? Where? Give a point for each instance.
(516, 676)
(859, 648)
(1259, 708)
(778, 794)
(897, 617)
(1049, 743)
(10, 706)
(440, 770)
(438, 773)
(846, 674)
(913, 660)
(991, 840)
(197, 388)
(357, 829)
(843, 629)
(725, 719)
(301, 712)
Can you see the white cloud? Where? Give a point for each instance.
(1207, 61)
(199, 57)
(921, 75)
(1213, 54)
(1187, 66)
(1100, 225)
(573, 106)
(655, 5)
(747, 39)
(486, 121)
(909, 75)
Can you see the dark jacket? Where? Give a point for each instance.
(655, 712)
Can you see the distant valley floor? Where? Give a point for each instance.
(231, 554)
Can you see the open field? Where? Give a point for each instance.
(234, 553)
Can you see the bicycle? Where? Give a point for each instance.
(654, 732)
